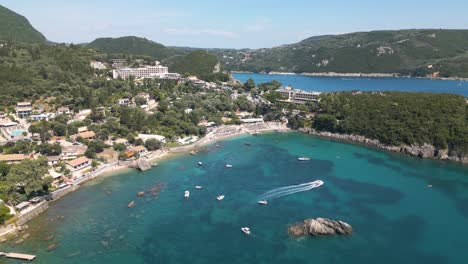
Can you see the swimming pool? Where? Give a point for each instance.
(17, 132)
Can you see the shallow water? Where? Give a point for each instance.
(334, 84)
(384, 196)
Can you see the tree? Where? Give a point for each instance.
(27, 179)
(120, 147)
(249, 84)
(4, 213)
(50, 149)
(140, 101)
(153, 144)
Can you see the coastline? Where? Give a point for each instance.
(11, 231)
(353, 75)
(425, 151)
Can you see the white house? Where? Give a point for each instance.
(123, 101)
(145, 137)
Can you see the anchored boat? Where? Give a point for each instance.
(220, 197)
(246, 230)
(186, 194)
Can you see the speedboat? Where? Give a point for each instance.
(303, 158)
(200, 163)
(246, 230)
(221, 197)
(317, 183)
(186, 194)
(228, 166)
(263, 202)
(198, 187)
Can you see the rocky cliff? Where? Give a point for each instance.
(422, 151)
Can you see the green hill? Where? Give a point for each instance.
(182, 60)
(132, 45)
(198, 62)
(14, 27)
(408, 52)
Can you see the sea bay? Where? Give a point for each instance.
(396, 217)
(334, 84)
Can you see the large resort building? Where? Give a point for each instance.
(298, 96)
(157, 71)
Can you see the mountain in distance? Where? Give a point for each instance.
(134, 46)
(179, 59)
(436, 52)
(16, 28)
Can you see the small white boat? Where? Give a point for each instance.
(198, 187)
(263, 202)
(246, 230)
(200, 163)
(186, 194)
(221, 197)
(228, 166)
(429, 186)
(303, 158)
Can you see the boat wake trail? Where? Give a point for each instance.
(282, 191)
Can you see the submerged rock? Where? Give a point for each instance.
(320, 226)
(48, 238)
(52, 247)
(140, 194)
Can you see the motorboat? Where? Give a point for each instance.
(263, 202)
(200, 163)
(186, 194)
(220, 197)
(198, 187)
(303, 158)
(246, 230)
(228, 166)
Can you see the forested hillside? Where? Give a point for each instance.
(396, 118)
(407, 52)
(16, 28)
(132, 45)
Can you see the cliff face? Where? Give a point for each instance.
(423, 151)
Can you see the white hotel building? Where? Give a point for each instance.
(157, 71)
(298, 96)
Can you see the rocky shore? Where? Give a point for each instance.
(320, 227)
(422, 151)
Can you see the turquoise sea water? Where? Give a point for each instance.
(333, 84)
(384, 196)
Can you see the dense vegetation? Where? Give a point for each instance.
(396, 118)
(408, 52)
(25, 180)
(199, 62)
(14, 27)
(132, 45)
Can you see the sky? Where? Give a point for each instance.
(231, 24)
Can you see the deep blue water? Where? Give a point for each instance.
(333, 84)
(384, 196)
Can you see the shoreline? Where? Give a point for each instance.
(425, 151)
(354, 75)
(115, 168)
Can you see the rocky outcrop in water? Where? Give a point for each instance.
(422, 151)
(141, 164)
(319, 227)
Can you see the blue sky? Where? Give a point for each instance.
(231, 24)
